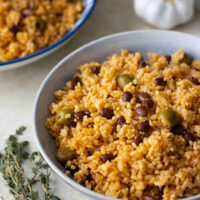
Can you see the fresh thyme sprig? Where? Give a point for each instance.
(20, 185)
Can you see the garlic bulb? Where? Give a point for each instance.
(165, 14)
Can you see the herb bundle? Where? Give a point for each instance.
(12, 161)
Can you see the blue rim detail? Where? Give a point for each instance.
(86, 13)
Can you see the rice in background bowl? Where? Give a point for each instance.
(27, 26)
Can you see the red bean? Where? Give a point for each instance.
(137, 139)
(142, 96)
(79, 115)
(144, 126)
(141, 62)
(127, 96)
(148, 103)
(107, 113)
(121, 121)
(141, 111)
(75, 81)
(179, 130)
(160, 81)
(193, 80)
(168, 58)
(188, 136)
(107, 157)
(96, 70)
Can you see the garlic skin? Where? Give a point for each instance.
(164, 14)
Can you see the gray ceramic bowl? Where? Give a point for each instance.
(165, 42)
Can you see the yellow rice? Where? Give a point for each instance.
(163, 161)
(27, 26)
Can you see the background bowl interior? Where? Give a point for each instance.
(165, 42)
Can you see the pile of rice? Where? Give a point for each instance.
(27, 26)
(161, 166)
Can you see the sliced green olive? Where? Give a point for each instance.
(39, 24)
(186, 59)
(65, 117)
(169, 118)
(123, 80)
(64, 154)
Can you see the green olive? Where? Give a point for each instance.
(123, 80)
(39, 24)
(169, 118)
(65, 117)
(186, 59)
(64, 154)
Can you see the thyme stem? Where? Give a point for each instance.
(12, 167)
(25, 178)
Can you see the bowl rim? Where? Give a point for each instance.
(89, 8)
(75, 185)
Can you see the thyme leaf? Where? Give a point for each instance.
(13, 170)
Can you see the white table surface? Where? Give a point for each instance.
(18, 87)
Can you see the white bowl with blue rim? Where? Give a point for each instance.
(88, 8)
(164, 42)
